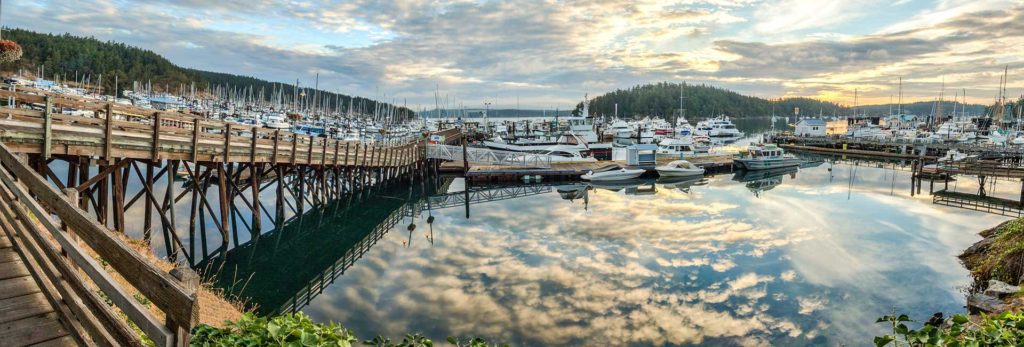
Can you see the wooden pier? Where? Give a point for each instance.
(60, 239)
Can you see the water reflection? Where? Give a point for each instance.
(679, 262)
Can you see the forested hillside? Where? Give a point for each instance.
(701, 101)
(69, 56)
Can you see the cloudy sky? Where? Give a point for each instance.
(550, 53)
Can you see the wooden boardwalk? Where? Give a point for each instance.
(67, 279)
(26, 317)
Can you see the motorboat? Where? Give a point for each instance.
(766, 156)
(276, 121)
(679, 168)
(720, 127)
(612, 173)
(680, 147)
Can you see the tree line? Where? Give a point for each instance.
(702, 101)
(72, 58)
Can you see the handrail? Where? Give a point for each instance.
(35, 202)
(152, 134)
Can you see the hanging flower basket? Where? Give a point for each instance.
(9, 51)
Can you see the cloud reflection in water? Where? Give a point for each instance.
(802, 263)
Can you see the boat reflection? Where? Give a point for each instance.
(759, 181)
(683, 184)
(640, 186)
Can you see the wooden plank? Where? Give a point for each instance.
(12, 287)
(162, 289)
(13, 269)
(24, 306)
(8, 255)
(32, 330)
(91, 313)
(5, 241)
(63, 341)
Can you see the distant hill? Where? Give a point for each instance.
(702, 101)
(924, 108)
(497, 113)
(68, 55)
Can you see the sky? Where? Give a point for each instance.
(550, 54)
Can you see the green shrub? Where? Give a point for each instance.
(286, 330)
(1006, 329)
(298, 330)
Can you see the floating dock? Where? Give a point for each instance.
(573, 170)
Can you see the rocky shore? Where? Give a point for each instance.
(997, 265)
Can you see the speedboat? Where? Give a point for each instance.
(679, 168)
(612, 173)
(768, 156)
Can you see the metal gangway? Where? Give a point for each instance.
(488, 156)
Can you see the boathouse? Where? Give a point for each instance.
(810, 127)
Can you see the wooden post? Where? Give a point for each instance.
(227, 142)
(147, 226)
(156, 138)
(277, 136)
(182, 329)
(465, 158)
(48, 128)
(295, 143)
(118, 187)
(108, 135)
(196, 125)
(252, 149)
(222, 189)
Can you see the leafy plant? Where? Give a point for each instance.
(1006, 329)
(286, 330)
(298, 330)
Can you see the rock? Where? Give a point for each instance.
(1000, 289)
(985, 303)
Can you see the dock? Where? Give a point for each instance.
(67, 275)
(572, 170)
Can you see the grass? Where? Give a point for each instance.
(1002, 258)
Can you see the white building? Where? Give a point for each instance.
(810, 127)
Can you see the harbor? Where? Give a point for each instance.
(494, 173)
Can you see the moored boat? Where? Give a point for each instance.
(612, 173)
(679, 168)
(767, 156)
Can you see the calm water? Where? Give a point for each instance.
(809, 256)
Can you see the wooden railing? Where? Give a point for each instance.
(120, 131)
(80, 258)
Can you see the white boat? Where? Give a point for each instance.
(276, 121)
(612, 173)
(863, 130)
(719, 127)
(679, 168)
(680, 147)
(767, 156)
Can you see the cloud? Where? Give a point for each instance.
(550, 53)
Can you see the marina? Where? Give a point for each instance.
(477, 174)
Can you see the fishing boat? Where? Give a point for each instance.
(612, 173)
(766, 156)
(679, 168)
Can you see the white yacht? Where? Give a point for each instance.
(569, 147)
(955, 131)
(863, 131)
(722, 127)
(680, 147)
(621, 130)
(767, 156)
(276, 121)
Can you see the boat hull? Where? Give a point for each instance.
(620, 175)
(754, 164)
(675, 172)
